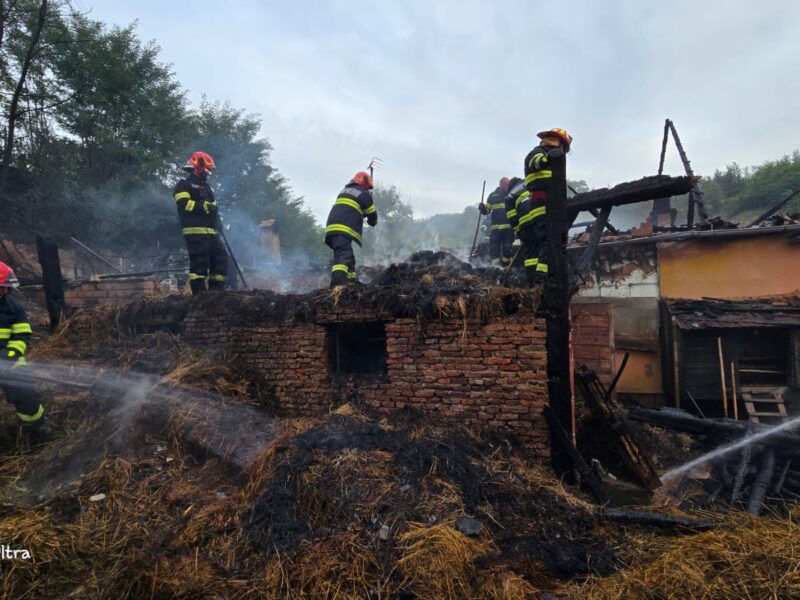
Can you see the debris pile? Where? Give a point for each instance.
(758, 471)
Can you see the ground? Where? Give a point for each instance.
(121, 503)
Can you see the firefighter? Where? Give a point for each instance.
(197, 209)
(501, 237)
(15, 332)
(555, 143)
(346, 223)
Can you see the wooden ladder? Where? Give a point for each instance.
(766, 397)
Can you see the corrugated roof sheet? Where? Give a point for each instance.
(725, 314)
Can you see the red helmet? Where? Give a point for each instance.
(558, 133)
(363, 179)
(7, 277)
(200, 162)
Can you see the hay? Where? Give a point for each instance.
(747, 557)
(438, 562)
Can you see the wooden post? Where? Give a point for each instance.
(556, 302)
(722, 379)
(676, 364)
(47, 250)
(735, 395)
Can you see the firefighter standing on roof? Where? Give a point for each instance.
(15, 333)
(555, 143)
(501, 237)
(346, 223)
(197, 208)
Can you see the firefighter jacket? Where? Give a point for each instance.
(15, 331)
(537, 181)
(496, 209)
(197, 208)
(517, 200)
(352, 206)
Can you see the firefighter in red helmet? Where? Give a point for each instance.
(198, 212)
(530, 216)
(15, 333)
(346, 223)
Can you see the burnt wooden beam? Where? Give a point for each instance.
(588, 255)
(47, 249)
(679, 420)
(631, 192)
(654, 519)
(556, 303)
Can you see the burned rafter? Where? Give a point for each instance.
(630, 192)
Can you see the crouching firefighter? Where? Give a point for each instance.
(197, 209)
(501, 237)
(533, 232)
(346, 223)
(15, 332)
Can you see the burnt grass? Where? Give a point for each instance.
(526, 522)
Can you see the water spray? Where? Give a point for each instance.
(732, 447)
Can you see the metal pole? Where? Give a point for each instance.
(478, 226)
(233, 258)
(96, 255)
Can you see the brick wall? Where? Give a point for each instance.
(93, 293)
(593, 338)
(493, 376)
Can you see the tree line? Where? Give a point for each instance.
(95, 128)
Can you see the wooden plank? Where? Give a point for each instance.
(617, 428)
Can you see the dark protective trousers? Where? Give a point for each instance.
(343, 268)
(534, 251)
(501, 242)
(26, 402)
(208, 259)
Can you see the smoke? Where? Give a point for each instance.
(119, 406)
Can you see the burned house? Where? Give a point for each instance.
(467, 351)
(707, 313)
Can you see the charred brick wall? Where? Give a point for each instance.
(490, 376)
(94, 293)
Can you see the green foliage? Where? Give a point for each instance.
(741, 194)
(104, 126)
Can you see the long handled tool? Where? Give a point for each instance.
(233, 258)
(478, 226)
(510, 265)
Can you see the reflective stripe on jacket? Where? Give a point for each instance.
(15, 330)
(496, 209)
(196, 206)
(352, 206)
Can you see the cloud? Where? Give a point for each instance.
(453, 92)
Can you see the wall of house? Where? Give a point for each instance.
(490, 376)
(593, 338)
(626, 280)
(763, 265)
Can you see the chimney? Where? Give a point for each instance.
(270, 241)
(663, 214)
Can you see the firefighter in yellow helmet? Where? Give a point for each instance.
(532, 225)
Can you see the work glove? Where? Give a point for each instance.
(556, 153)
(372, 219)
(210, 208)
(482, 209)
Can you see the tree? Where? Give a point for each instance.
(396, 234)
(249, 188)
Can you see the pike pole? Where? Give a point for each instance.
(478, 226)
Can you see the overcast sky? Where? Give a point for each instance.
(449, 93)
